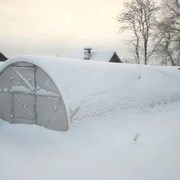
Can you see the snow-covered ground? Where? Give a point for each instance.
(101, 148)
(100, 143)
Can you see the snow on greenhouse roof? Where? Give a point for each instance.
(92, 88)
(95, 56)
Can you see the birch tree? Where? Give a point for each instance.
(139, 17)
(169, 31)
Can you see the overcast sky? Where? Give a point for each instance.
(48, 27)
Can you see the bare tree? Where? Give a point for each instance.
(139, 17)
(169, 31)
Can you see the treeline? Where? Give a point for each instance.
(155, 29)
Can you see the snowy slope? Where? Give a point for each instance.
(116, 103)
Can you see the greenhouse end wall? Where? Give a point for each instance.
(28, 95)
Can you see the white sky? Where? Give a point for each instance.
(48, 27)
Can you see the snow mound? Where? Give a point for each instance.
(90, 89)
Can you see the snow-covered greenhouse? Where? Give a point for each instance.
(29, 95)
(56, 92)
(53, 92)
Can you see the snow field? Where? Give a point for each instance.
(97, 148)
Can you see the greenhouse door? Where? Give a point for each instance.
(23, 94)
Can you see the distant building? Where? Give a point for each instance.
(2, 57)
(88, 54)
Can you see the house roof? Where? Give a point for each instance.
(95, 55)
(2, 57)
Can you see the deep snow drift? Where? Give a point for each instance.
(140, 101)
(90, 89)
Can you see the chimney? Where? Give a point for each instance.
(87, 53)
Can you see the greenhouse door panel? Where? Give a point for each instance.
(24, 109)
(23, 101)
(23, 79)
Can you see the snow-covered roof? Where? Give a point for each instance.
(95, 55)
(91, 88)
(2, 57)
